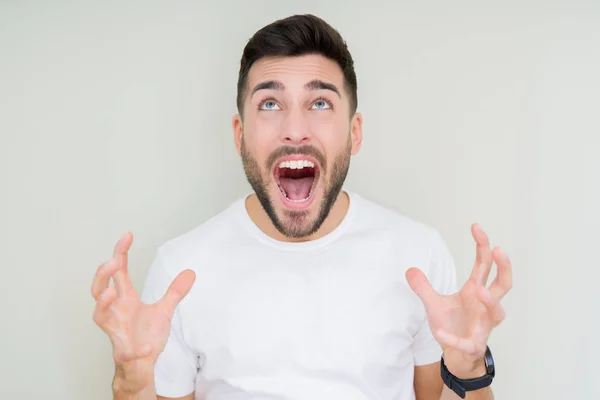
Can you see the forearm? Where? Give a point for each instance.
(481, 394)
(123, 391)
(145, 394)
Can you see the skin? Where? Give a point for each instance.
(138, 332)
(296, 116)
(463, 322)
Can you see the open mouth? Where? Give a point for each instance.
(297, 179)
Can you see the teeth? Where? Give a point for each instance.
(296, 164)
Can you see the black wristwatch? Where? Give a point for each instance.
(462, 386)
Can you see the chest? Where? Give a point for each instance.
(328, 311)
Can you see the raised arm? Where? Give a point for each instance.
(138, 332)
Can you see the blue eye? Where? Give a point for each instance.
(268, 105)
(321, 104)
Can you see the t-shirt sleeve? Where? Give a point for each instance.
(177, 366)
(441, 274)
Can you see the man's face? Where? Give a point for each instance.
(296, 139)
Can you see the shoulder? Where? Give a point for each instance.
(194, 249)
(414, 242)
(375, 218)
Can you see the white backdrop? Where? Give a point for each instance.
(116, 117)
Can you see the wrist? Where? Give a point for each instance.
(462, 373)
(131, 384)
(466, 369)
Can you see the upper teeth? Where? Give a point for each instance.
(296, 164)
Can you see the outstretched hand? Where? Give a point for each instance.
(138, 332)
(462, 322)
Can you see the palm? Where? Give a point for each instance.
(462, 315)
(136, 325)
(138, 332)
(462, 322)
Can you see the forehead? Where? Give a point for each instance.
(296, 71)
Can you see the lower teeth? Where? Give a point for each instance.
(298, 201)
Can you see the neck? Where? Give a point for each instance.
(336, 215)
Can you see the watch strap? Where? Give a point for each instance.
(462, 386)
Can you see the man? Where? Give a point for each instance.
(301, 290)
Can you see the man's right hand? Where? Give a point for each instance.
(138, 332)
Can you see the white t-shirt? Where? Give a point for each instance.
(327, 319)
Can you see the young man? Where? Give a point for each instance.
(302, 290)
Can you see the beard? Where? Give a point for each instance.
(297, 224)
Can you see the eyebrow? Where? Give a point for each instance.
(269, 85)
(315, 84)
(320, 85)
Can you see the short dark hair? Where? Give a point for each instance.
(298, 35)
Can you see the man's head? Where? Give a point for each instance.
(297, 125)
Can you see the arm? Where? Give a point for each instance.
(471, 372)
(482, 394)
(139, 331)
(188, 397)
(429, 386)
(461, 322)
(121, 392)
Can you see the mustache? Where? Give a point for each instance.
(305, 150)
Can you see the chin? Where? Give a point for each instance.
(296, 219)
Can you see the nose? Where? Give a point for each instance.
(294, 129)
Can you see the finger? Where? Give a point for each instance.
(122, 247)
(178, 289)
(483, 255)
(503, 282)
(120, 254)
(495, 311)
(105, 299)
(102, 277)
(466, 345)
(421, 286)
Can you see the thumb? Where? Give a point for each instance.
(178, 289)
(420, 285)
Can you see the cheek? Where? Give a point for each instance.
(262, 130)
(268, 121)
(257, 145)
(332, 133)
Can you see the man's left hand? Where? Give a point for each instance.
(462, 322)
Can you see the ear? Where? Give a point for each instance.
(356, 132)
(238, 130)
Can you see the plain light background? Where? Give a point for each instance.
(115, 116)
